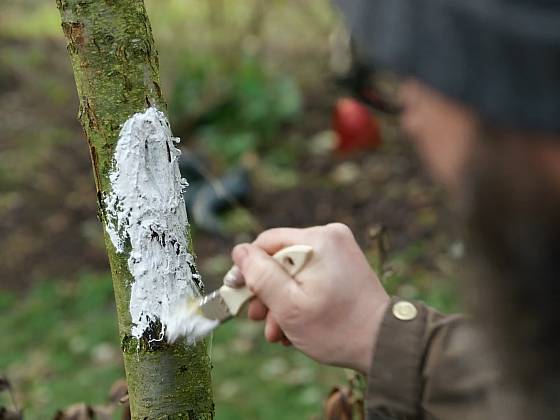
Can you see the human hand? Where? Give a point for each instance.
(331, 310)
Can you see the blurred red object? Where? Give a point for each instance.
(355, 127)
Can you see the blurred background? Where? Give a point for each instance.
(251, 95)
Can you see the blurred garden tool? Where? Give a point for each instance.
(206, 198)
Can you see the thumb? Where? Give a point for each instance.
(263, 275)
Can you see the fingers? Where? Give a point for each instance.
(263, 275)
(272, 330)
(257, 311)
(234, 278)
(286, 342)
(273, 240)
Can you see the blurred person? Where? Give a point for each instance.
(481, 102)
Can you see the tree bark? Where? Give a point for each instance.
(116, 71)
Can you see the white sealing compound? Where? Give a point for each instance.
(146, 211)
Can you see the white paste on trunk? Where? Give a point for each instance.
(146, 207)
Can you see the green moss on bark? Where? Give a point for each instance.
(186, 395)
(116, 70)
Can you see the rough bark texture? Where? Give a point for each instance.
(116, 70)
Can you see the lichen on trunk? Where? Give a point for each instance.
(140, 202)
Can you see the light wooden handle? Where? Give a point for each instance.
(292, 259)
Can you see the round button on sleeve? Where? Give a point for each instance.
(405, 311)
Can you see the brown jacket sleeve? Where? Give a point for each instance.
(428, 366)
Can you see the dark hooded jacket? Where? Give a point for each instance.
(502, 58)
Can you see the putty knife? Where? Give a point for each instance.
(198, 318)
(227, 302)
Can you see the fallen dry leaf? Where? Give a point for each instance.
(103, 412)
(14, 413)
(10, 414)
(339, 406)
(343, 405)
(4, 383)
(118, 391)
(119, 395)
(126, 412)
(78, 411)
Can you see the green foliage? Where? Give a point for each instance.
(237, 112)
(26, 19)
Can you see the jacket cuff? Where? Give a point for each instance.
(394, 381)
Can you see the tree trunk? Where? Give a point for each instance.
(139, 194)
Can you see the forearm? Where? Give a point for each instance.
(427, 365)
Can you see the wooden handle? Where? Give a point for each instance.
(292, 259)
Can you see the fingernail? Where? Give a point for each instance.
(234, 278)
(239, 254)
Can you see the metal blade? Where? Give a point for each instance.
(212, 306)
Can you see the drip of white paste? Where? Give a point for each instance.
(146, 207)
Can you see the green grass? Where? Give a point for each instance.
(60, 346)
